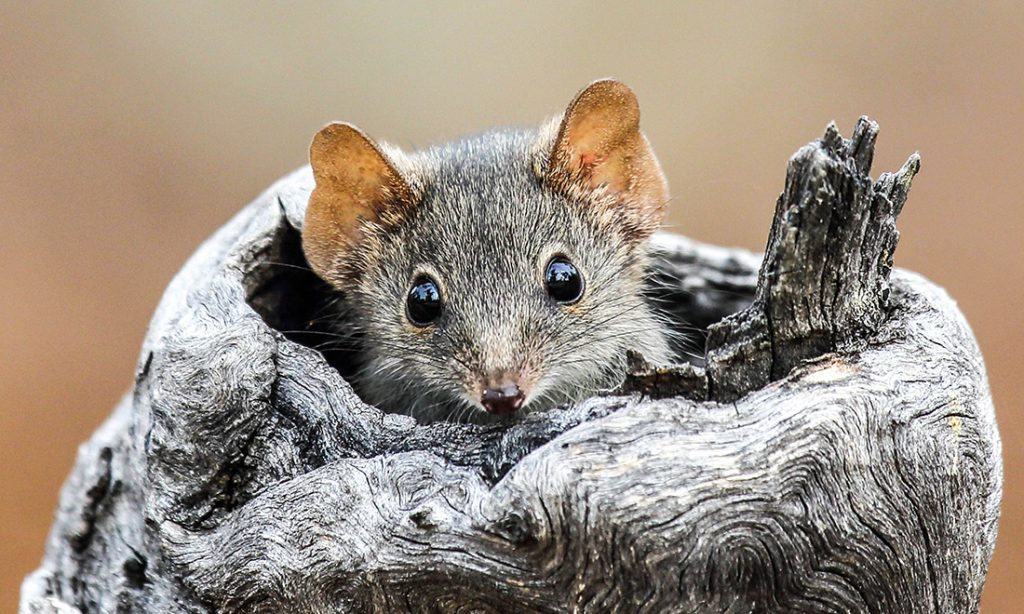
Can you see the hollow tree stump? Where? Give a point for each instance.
(836, 451)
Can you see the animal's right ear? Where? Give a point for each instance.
(356, 187)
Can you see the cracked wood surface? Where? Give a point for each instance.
(836, 451)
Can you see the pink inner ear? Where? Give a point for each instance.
(588, 160)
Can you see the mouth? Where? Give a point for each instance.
(499, 405)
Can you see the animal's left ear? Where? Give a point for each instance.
(601, 152)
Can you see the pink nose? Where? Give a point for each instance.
(503, 400)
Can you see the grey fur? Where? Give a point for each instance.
(485, 227)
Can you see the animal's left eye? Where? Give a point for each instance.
(563, 281)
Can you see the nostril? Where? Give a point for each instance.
(504, 400)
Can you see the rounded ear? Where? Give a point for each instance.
(355, 183)
(599, 148)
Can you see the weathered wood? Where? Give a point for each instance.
(848, 459)
(824, 283)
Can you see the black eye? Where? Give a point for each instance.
(563, 281)
(424, 302)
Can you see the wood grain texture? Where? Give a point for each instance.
(837, 452)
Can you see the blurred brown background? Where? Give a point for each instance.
(128, 133)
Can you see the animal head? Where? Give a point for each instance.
(498, 273)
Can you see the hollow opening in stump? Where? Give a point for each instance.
(283, 289)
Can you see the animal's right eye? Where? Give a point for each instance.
(563, 280)
(423, 305)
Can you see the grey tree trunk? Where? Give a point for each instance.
(833, 449)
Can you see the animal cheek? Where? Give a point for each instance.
(462, 368)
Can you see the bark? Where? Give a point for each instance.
(832, 449)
